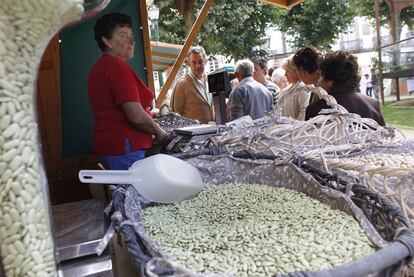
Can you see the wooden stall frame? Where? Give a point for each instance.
(193, 33)
(62, 172)
(288, 4)
(147, 45)
(181, 57)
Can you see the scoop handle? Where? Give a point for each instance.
(107, 177)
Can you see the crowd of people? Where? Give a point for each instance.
(120, 101)
(288, 89)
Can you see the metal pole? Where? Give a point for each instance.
(377, 20)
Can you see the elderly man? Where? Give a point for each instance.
(249, 97)
(190, 97)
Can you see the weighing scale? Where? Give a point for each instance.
(219, 87)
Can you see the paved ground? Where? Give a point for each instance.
(393, 97)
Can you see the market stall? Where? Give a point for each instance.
(270, 157)
(281, 153)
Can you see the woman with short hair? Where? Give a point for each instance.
(340, 78)
(119, 99)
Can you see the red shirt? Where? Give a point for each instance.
(111, 83)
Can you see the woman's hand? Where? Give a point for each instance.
(159, 136)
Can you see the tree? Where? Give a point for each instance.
(366, 8)
(232, 27)
(316, 22)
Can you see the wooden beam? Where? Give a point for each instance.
(280, 3)
(147, 45)
(164, 56)
(165, 45)
(188, 42)
(49, 103)
(292, 3)
(288, 4)
(400, 6)
(161, 69)
(161, 63)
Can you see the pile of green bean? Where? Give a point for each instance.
(255, 230)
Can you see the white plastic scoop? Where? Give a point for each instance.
(160, 178)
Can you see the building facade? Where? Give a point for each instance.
(360, 38)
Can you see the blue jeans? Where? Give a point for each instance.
(122, 162)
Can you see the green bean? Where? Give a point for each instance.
(255, 230)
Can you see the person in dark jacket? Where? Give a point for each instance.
(249, 97)
(340, 78)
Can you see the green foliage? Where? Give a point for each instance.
(367, 8)
(407, 17)
(316, 22)
(232, 27)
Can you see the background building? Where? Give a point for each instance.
(360, 38)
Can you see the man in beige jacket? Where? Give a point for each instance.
(190, 96)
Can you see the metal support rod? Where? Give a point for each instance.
(377, 21)
(397, 88)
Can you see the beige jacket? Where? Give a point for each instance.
(187, 101)
(294, 100)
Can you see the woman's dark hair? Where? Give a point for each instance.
(341, 67)
(308, 58)
(106, 25)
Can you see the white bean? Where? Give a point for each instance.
(3, 167)
(20, 205)
(18, 116)
(11, 130)
(11, 109)
(5, 120)
(7, 220)
(15, 163)
(11, 144)
(10, 154)
(25, 27)
(26, 154)
(27, 197)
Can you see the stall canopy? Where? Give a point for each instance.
(284, 3)
(164, 55)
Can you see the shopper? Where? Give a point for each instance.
(340, 78)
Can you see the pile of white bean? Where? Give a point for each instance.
(403, 160)
(26, 245)
(255, 230)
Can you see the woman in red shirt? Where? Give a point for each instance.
(119, 99)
